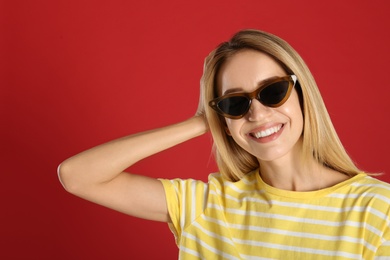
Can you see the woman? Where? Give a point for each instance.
(286, 188)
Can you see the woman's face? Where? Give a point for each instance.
(267, 133)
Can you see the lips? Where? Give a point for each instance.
(266, 132)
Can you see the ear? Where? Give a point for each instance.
(227, 131)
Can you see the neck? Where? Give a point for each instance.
(293, 173)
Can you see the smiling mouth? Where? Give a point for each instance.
(267, 132)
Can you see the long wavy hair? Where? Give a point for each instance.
(320, 140)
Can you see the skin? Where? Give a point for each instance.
(279, 154)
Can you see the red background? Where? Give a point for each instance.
(75, 74)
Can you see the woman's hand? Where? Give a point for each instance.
(200, 112)
(201, 105)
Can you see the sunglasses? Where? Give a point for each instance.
(272, 93)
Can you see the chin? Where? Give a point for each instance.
(270, 157)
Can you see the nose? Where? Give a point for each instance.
(258, 111)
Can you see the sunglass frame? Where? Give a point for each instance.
(292, 79)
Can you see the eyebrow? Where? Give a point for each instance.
(259, 84)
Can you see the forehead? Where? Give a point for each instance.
(246, 69)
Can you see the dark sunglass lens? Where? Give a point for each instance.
(234, 106)
(274, 93)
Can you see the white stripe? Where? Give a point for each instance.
(214, 235)
(205, 196)
(314, 251)
(373, 183)
(250, 257)
(248, 182)
(379, 214)
(357, 195)
(208, 247)
(189, 251)
(215, 220)
(193, 202)
(183, 204)
(174, 186)
(386, 245)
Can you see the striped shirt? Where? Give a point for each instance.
(249, 219)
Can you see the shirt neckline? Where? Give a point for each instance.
(306, 194)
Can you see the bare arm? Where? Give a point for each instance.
(98, 174)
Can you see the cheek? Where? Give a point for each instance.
(233, 126)
(228, 121)
(228, 128)
(296, 116)
(299, 120)
(294, 106)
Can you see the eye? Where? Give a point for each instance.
(274, 93)
(234, 105)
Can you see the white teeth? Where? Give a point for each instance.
(267, 132)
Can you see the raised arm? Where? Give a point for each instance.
(98, 173)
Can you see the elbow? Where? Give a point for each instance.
(68, 177)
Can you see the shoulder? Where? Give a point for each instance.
(216, 185)
(366, 183)
(374, 195)
(372, 191)
(219, 183)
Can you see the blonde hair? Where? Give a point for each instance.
(320, 140)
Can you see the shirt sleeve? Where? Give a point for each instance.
(186, 200)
